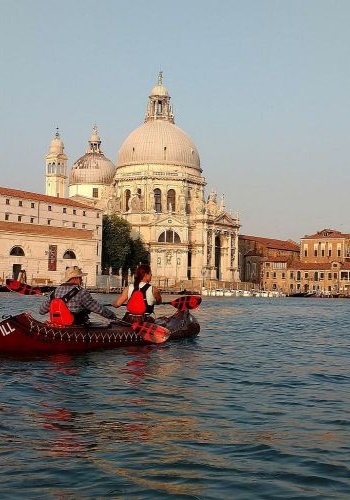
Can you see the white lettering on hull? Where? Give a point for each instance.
(6, 329)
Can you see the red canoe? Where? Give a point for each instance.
(23, 333)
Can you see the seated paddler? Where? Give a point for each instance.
(70, 303)
(140, 296)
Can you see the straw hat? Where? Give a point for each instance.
(73, 272)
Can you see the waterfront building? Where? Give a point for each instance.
(323, 267)
(45, 234)
(255, 251)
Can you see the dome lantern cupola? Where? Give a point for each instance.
(94, 142)
(158, 107)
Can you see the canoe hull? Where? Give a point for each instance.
(23, 334)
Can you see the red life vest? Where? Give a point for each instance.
(60, 315)
(137, 304)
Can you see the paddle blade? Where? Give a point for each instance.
(187, 302)
(150, 332)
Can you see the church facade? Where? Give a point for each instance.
(157, 185)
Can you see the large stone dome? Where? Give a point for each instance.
(159, 142)
(93, 167)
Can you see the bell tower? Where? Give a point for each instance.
(56, 168)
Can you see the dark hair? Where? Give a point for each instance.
(140, 273)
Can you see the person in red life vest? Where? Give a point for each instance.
(141, 296)
(80, 301)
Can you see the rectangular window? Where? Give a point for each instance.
(7, 201)
(84, 213)
(323, 252)
(74, 211)
(83, 226)
(306, 275)
(335, 276)
(329, 252)
(339, 252)
(49, 208)
(321, 276)
(274, 275)
(305, 252)
(20, 203)
(98, 215)
(329, 276)
(31, 220)
(95, 192)
(73, 224)
(48, 222)
(291, 275)
(7, 216)
(267, 275)
(32, 205)
(64, 210)
(19, 218)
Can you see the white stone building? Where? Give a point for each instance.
(45, 234)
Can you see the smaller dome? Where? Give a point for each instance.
(92, 168)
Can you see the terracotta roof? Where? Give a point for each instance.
(61, 232)
(272, 243)
(17, 193)
(282, 258)
(327, 234)
(310, 266)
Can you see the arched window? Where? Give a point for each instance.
(127, 199)
(17, 251)
(69, 254)
(170, 200)
(169, 236)
(157, 200)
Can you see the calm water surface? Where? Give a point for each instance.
(257, 407)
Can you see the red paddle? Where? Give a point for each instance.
(186, 302)
(150, 332)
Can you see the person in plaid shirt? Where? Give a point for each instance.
(82, 303)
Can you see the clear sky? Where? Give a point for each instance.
(261, 86)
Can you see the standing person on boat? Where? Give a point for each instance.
(150, 296)
(81, 302)
(22, 276)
